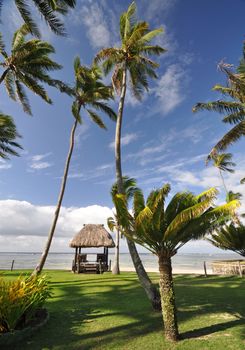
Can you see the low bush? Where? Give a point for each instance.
(20, 299)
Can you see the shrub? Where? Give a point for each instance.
(20, 299)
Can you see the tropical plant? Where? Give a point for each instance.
(48, 10)
(222, 161)
(8, 136)
(242, 181)
(130, 62)
(91, 95)
(164, 230)
(20, 300)
(230, 237)
(129, 188)
(28, 65)
(232, 106)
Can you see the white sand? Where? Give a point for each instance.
(175, 271)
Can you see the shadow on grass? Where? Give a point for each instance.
(91, 311)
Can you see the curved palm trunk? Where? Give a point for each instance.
(151, 291)
(168, 298)
(116, 269)
(40, 265)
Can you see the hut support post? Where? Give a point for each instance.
(75, 261)
(205, 269)
(106, 255)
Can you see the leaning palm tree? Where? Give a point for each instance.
(48, 9)
(129, 188)
(164, 230)
(233, 106)
(91, 95)
(8, 136)
(131, 63)
(230, 237)
(222, 161)
(28, 65)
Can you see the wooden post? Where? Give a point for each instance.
(100, 266)
(12, 265)
(240, 269)
(109, 268)
(205, 269)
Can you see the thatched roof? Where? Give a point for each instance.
(92, 236)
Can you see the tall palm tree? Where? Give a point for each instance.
(8, 136)
(91, 95)
(164, 230)
(129, 187)
(222, 161)
(230, 237)
(28, 65)
(130, 62)
(233, 106)
(48, 9)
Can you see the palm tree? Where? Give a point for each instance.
(132, 59)
(231, 237)
(8, 135)
(163, 231)
(129, 188)
(233, 107)
(28, 65)
(222, 161)
(48, 10)
(91, 96)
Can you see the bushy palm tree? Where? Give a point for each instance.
(48, 10)
(91, 95)
(8, 136)
(129, 189)
(164, 230)
(28, 66)
(131, 62)
(230, 237)
(233, 106)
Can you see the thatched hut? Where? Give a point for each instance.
(91, 236)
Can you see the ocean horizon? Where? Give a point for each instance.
(182, 262)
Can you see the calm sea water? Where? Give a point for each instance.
(181, 262)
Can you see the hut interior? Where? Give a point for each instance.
(91, 236)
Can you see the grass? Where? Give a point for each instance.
(105, 312)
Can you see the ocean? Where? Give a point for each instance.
(182, 263)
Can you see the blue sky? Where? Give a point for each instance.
(163, 141)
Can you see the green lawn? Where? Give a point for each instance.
(111, 312)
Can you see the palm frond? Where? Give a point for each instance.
(22, 97)
(96, 119)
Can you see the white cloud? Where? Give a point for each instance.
(38, 164)
(25, 226)
(5, 164)
(153, 9)
(169, 89)
(125, 140)
(92, 16)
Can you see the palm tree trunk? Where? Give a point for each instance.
(223, 181)
(40, 265)
(145, 281)
(116, 269)
(168, 298)
(151, 291)
(4, 75)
